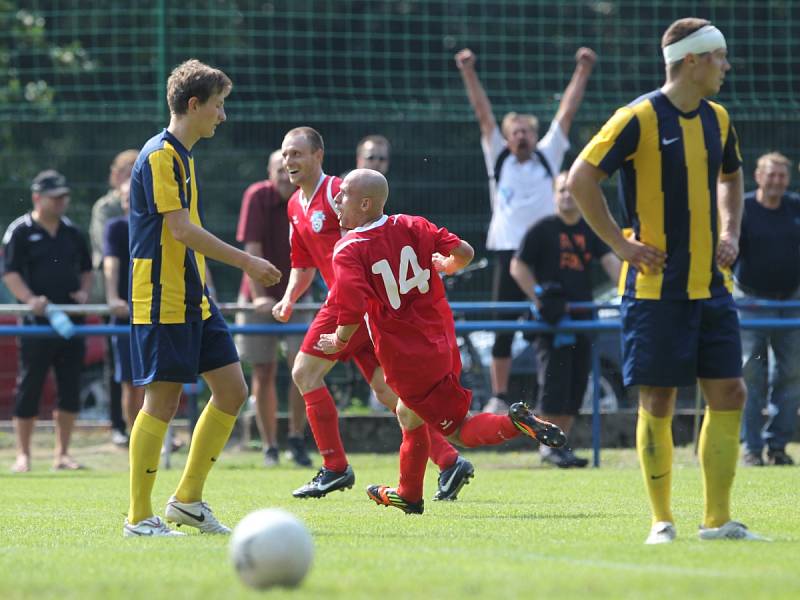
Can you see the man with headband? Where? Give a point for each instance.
(681, 177)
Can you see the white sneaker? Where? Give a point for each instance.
(732, 530)
(495, 406)
(153, 526)
(194, 514)
(663, 532)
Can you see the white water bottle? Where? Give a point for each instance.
(60, 321)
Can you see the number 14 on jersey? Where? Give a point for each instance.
(395, 286)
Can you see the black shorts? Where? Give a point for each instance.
(36, 356)
(563, 374)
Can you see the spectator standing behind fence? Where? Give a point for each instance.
(521, 168)
(680, 171)
(556, 256)
(769, 269)
(116, 259)
(374, 152)
(264, 230)
(47, 260)
(109, 206)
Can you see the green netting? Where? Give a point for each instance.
(81, 80)
(387, 60)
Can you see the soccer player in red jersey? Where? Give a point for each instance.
(383, 268)
(314, 232)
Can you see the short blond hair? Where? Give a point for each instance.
(512, 116)
(122, 162)
(775, 158)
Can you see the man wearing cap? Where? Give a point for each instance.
(681, 178)
(47, 259)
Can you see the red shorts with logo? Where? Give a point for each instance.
(359, 348)
(445, 406)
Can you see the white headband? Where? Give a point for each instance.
(705, 39)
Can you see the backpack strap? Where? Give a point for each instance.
(505, 154)
(499, 163)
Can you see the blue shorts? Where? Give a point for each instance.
(180, 352)
(670, 343)
(121, 349)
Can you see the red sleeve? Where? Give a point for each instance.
(251, 217)
(443, 240)
(352, 289)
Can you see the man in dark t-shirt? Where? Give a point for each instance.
(768, 268)
(47, 261)
(556, 253)
(116, 260)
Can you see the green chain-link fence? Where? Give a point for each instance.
(81, 80)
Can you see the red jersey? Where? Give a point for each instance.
(385, 270)
(314, 228)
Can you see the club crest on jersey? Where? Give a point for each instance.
(317, 219)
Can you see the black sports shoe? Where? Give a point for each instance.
(386, 496)
(779, 457)
(532, 426)
(452, 479)
(573, 459)
(326, 481)
(297, 451)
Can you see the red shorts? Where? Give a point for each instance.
(359, 348)
(445, 406)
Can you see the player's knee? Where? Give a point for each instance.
(304, 378)
(408, 419)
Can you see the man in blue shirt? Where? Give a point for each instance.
(769, 269)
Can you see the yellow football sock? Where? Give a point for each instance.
(719, 450)
(210, 435)
(654, 446)
(147, 436)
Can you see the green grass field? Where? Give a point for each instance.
(518, 531)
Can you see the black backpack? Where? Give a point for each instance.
(505, 154)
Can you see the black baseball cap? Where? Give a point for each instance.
(50, 183)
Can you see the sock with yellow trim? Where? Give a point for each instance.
(654, 446)
(147, 436)
(210, 435)
(719, 451)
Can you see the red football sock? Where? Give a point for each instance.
(442, 452)
(413, 460)
(324, 421)
(487, 430)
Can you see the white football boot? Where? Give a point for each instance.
(662, 532)
(732, 530)
(194, 514)
(152, 526)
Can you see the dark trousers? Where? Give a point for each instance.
(563, 374)
(36, 356)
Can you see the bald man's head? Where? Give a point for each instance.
(361, 198)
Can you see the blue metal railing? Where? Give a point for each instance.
(592, 328)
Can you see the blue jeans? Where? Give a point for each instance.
(778, 388)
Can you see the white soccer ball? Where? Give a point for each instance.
(271, 547)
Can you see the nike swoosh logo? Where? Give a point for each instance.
(659, 476)
(187, 180)
(667, 142)
(201, 517)
(150, 470)
(332, 483)
(141, 532)
(449, 482)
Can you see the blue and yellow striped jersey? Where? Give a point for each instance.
(167, 279)
(669, 164)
